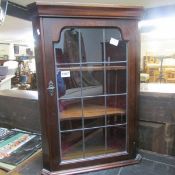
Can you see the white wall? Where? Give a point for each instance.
(160, 41)
(4, 50)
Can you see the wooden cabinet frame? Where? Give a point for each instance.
(48, 22)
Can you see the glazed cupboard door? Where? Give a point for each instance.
(91, 74)
(88, 84)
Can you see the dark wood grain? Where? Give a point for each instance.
(93, 168)
(51, 20)
(90, 111)
(93, 68)
(90, 11)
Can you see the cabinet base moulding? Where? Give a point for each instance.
(94, 168)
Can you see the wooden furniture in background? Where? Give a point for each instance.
(170, 76)
(160, 68)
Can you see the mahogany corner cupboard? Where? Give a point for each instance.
(87, 68)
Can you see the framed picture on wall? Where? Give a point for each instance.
(16, 49)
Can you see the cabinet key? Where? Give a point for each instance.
(51, 88)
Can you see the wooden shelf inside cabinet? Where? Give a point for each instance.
(90, 111)
(92, 68)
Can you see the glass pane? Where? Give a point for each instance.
(116, 78)
(116, 119)
(92, 80)
(93, 107)
(112, 33)
(116, 139)
(118, 102)
(71, 145)
(69, 81)
(94, 112)
(70, 113)
(91, 39)
(94, 142)
(67, 50)
(115, 47)
(94, 122)
(116, 109)
(90, 84)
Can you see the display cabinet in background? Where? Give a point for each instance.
(87, 68)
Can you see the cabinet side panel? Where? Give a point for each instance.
(131, 34)
(42, 90)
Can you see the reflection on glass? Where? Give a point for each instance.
(93, 107)
(91, 71)
(70, 114)
(94, 111)
(71, 145)
(69, 124)
(112, 34)
(61, 84)
(117, 107)
(94, 122)
(92, 80)
(116, 139)
(91, 38)
(115, 48)
(69, 81)
(116, 51)
(67, 50)
(94, 142)
(116, 78)
(117, 119)
(117, 102)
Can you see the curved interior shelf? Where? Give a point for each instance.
(92, 68)
(89, 111)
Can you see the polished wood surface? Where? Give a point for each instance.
(124, 19)
(123, 12)
(93, 168)
(90, 111)
(92, 68)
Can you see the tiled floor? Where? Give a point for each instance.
(146, 167)
(151, 164)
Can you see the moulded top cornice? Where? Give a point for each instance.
(100, 11)
(85, 4)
